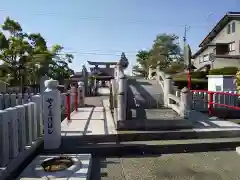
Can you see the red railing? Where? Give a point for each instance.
(69, 103)
(211, 101)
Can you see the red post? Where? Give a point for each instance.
(68, 111)
(210, 103)
(76, 99)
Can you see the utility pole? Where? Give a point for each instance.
(187, 56)
(186, 28)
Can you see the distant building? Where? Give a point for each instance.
(222, 44)
(102, 73)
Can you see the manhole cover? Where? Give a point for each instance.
(57, 164)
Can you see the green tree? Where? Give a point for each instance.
(59, 68)
(26, 57)
(165, 50)
(142, 63)
(13, 50)
(137, 71)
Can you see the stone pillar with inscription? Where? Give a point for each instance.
(52, 115)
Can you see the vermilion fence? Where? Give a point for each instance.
(212, 99)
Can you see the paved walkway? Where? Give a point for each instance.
(89, 121)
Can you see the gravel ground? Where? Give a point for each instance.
(197, 166)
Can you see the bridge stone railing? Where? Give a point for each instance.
(21, 125)
(182, 101)
(179, 101)
(118, 95)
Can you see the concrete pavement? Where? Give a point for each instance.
(89, 121)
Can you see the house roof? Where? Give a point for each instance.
(103, 71)
(101, 63)
(219, 26)
(201, 50)
(76, 75)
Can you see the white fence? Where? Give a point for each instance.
(21, 123)
(200, 100)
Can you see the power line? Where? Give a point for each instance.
(97, 18)
(94, 53)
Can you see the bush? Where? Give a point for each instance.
(224, 71)
(174, 68)
(194, 75)
(195, 83)
(170, 71)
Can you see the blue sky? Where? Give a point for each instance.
(99, 30)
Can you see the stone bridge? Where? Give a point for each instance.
(94, 127)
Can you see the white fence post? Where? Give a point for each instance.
(28, 123)
(52, 115)
(13, 99)
(4, 135)
(1, 102)
(13, 132)
(33, 110)
(37, 99)
(21, 127)
(6, 101)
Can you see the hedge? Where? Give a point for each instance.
(174, 68)
(195, 83)
(194, 75)
(224, 71)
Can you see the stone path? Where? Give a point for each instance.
(148, 111)
(87, 121)
(147, 92)
(95, 119)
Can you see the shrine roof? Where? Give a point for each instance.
(101, 63)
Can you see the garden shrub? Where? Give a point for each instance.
(224, 71)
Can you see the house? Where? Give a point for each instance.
(221, 47)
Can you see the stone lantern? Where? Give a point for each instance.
(123, 62)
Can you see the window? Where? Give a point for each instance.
(231, 46)
(233, 27)
(222, 48)
(206, 57)
(229, 28)
(200, 59)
